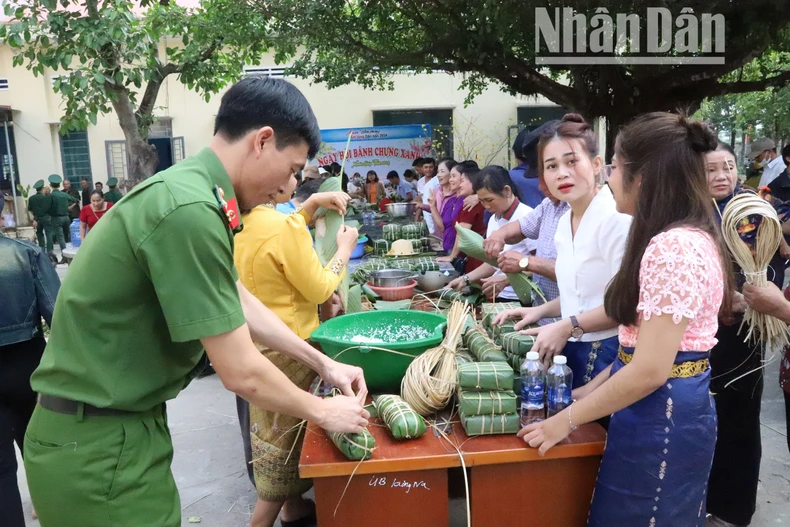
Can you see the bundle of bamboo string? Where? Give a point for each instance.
(771, 332)
(430, 381)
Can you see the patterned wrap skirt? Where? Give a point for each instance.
(588, 359)
(276, 439)
(659, 451)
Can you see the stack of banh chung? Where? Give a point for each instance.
(486, 400)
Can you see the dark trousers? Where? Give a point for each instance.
(787, 417)
(17, 401)
(732, 488)
(243, 411)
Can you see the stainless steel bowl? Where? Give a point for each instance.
(390, 278)
(401, 210)
(435, 280)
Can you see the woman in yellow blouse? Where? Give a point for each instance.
(276, 262)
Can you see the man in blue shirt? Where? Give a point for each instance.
(525, 174)
(403, 189)
(30, 286)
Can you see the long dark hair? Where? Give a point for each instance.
(495, 178)
(668, 152)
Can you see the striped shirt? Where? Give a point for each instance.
(540, 225)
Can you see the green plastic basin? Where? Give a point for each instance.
(352, 339)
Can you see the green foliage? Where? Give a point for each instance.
(117, 49)
(23, 191)
(339, 42)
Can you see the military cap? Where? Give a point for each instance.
(38, 185)
(55, 179)
(112, 182)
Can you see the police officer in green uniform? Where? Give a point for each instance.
(113, 195)
(74, 208)
(97, 449)
(39, 205)
(59, 212)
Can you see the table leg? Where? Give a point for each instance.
(416, 499)
(548, 493)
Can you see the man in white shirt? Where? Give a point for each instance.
(763, 153)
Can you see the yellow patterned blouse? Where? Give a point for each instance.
(276, 262)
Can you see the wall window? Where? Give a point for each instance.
(75, 154)
(441, 122)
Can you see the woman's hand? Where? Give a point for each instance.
(768, 300)
(581, 392)
(431, 201)
(336, 201)
(508, 262)
(331, 308)
(458, 284)
(528, 315)
(347, 238)
(493, 245)
(470, 202)
(494, 285)
(546, 433)
(550, 340)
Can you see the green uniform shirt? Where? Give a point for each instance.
(113, 196)
(39, 204)
(60, 203)
(169, 249)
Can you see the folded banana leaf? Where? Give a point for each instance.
(497, 332)
(391, 232)
(411, 231)
(515, 362)
(476, 376)
(489, 311)
(486, 403)
(462, 356)
(328, 223)
(482, 347)
(400, 418)
(381, 247)
(354, 446)
(517, 344)
(477, 425)
(471, 244)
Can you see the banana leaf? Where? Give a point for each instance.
(486, 403)
(476, 376)
(477, 425)
(400, 418)
(392, 305)
(471, 244)
(354, 446)
(517, 344)
(328, 223)
(354, 304)
(482, 347)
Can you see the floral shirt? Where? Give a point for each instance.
(680, 275)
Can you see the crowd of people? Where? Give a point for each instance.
(637, 290)
(54, 210)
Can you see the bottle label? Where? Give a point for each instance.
(532, 393)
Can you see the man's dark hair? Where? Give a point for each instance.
(428, 161)
(418, 162)
(393, 174)
(409, 173)
(85, 179)
(307, 189)
(335, 168)
(255, 102)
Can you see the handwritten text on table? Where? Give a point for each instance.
(393, 482)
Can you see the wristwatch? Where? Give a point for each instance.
(466, 279)
(576, 330)
(524, 263)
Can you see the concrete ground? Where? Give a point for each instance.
(209, 464)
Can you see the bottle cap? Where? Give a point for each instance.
(560, 359)
(533, 355)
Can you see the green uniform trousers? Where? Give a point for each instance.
(101, 471)
(59, 223)
(43, 234)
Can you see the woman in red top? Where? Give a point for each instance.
(472, 219)
(91, 213)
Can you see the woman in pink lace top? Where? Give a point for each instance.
(666, 296)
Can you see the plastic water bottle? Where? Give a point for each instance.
(533, 384)
(559, 379)
(74, 229)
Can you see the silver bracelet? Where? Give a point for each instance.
(570, 418)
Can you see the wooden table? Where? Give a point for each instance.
(405, 482)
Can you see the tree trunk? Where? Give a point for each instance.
(732, 138)
(143, 158)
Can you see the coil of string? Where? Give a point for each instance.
(765, 329)
(430, 380)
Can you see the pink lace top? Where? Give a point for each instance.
(680, 275)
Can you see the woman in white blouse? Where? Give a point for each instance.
(590, 242)
(500, 196)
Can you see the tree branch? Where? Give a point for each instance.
(724, 88)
